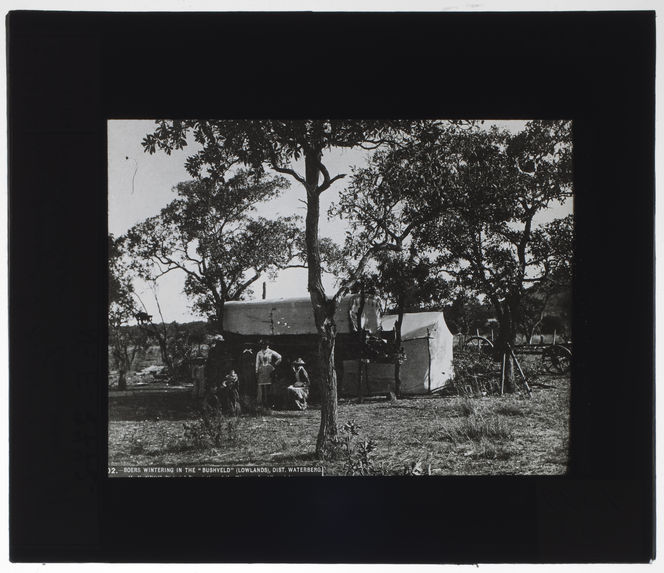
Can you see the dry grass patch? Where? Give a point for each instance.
(493, 452)
(476, 428)
(512, 409)
(444, 435)
(467, 408)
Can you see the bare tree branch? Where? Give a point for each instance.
(326, 178)
(290, 172)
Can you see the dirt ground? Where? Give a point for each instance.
(440, 435)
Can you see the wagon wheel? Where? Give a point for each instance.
(557, 359)
(479, 344)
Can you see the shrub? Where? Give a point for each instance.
(356, 452)
(478, 374)
(209, 428)
(475, 374)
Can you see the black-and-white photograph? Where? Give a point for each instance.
(339, 297)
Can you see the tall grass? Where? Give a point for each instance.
(476, 428)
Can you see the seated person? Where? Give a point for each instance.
(298, 392)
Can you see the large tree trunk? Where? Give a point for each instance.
(507, 339)
(122, 378)
(397, 343)
(323, 310)
(121, 357)
(219, 313)
(328, 412)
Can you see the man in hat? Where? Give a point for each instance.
(298, 392)
(266, 360)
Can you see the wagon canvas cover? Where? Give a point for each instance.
(276, 317)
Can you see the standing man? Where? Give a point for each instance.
(266, 360)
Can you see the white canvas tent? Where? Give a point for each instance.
(293, 316)
(427, 343)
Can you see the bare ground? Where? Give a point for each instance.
(449, 435)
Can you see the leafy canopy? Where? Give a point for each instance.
(210, 232)
(487, 188)
(273, 143)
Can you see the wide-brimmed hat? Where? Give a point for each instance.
(299, 362)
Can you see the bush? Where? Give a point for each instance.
(210, 427)
(475, 374)
(356, 452)
(478, 374)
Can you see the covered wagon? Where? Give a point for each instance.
(288, 325)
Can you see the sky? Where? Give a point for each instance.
(140, 185)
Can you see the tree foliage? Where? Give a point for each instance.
(268, 143)
(489, 187)
(494, 185)
(211, 234)
(471, 198)
(124, 342)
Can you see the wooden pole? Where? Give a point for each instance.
(525, 382)
(502, 374)
(429, 355)
(360, 396)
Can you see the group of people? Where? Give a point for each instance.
(297, 380)
(277, 384)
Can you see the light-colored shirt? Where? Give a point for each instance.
(301, 376)
(264, 358)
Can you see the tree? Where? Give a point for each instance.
(275, 145)
(466, 313)
(210, 234)
(124, 341)
(488, 188)
(165, 335)
(377, 213)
